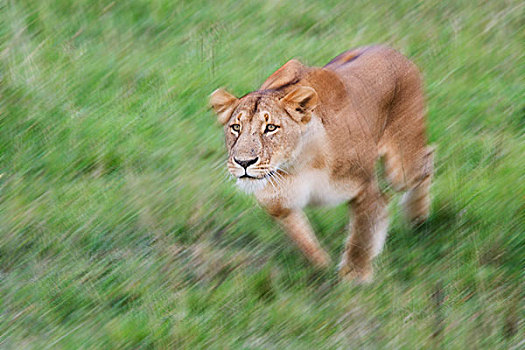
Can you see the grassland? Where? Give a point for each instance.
(120, 229)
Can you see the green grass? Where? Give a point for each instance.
(119, 227)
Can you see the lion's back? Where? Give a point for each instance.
(376, 80)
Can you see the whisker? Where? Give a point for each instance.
(282, 177)
(281, 170)
(279, 178)
(275, 180)
(269, 181)
(260, 168)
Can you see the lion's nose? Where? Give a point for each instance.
(246, 163)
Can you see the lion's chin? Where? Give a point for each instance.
(251, 185)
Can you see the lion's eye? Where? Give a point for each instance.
(270, 128)
(236, 127)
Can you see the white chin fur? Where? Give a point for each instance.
(251, 185)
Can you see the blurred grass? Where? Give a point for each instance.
(119, 229)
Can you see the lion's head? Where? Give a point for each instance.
(263, 130)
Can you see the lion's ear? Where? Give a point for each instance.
(300, 102)
(223, 103)
(288, 73)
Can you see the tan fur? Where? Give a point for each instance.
(332, 126)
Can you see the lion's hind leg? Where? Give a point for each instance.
(416, 200)
(411, 173)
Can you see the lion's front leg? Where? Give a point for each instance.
(368, 234)
(299, 230)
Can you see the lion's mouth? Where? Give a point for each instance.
(250, 177)
(253, 183)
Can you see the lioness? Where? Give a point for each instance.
(312, 136)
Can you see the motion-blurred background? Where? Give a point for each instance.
(119, 226)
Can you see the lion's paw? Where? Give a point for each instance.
(348, 272)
